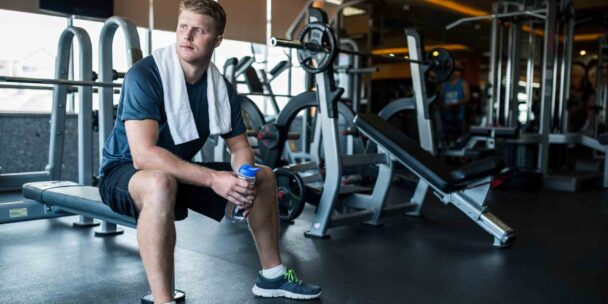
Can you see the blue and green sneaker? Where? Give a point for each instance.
(287, 286)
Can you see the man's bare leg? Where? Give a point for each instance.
(154, 194)
(264, 219)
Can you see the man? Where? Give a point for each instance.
(144, 174)
(455, 94)
(581, 104)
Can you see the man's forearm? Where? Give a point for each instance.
(242, 156)
(157, 158)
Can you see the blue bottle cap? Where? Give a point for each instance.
(248, 171)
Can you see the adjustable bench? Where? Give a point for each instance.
(85, 201)
(466, 188)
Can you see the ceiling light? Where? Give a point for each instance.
(403, 50)
(587, 37)
(583, 52)
(353, 11)
(460, 8)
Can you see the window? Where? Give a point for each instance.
(32, 51)
(28, 52)
(119, 53)
(280, 85)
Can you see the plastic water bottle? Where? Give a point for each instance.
(233, 212)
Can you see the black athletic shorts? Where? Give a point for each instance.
(114, 190)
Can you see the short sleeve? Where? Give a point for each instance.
(238, 126)
(142, 95)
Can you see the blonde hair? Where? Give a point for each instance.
(209, 8)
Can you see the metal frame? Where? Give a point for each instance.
(372, 207)
(25, 209)
(554, 125)
(510, 110)
(134, 54)
(601, 81)
(533, 13)
(61, 87)
(106, 97)
(555, 83)
(503, 104)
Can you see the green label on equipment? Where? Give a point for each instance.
(17, 212)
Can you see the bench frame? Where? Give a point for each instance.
(37, 192)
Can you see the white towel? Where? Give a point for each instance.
(177, 105)
(220, 113)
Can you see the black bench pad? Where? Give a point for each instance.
(479, 169)
(419, 160)
(503, 132)
(78, 199)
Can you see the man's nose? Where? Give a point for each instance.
(188, 35)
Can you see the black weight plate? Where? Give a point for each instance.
(269, 136)
(319, 49)
(441, 65)
(290, 194)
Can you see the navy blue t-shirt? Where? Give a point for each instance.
(142, 98)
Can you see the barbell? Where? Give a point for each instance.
(59, 82)
(317, 49)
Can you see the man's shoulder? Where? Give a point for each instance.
(143, 70)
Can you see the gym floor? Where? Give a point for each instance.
(559, 256)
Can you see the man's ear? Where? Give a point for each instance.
(218, 40)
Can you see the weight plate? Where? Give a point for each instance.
(441, 65)
(319, 49)
(290, 194)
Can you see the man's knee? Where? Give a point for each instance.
(265, 178)
(266, 185)
(157, 190)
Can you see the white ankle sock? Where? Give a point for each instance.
(274, 272)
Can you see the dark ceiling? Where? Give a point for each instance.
(391, 16)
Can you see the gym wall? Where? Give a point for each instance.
(283, 14)
(31, 151)
(246, 19)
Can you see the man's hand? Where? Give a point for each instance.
(235, 190)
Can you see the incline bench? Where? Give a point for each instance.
(466, 188)
(86, 201)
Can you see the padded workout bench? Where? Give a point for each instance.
(86, 201)
(466, 188)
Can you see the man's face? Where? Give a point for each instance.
(197, 36)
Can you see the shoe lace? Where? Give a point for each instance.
(290, 275)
